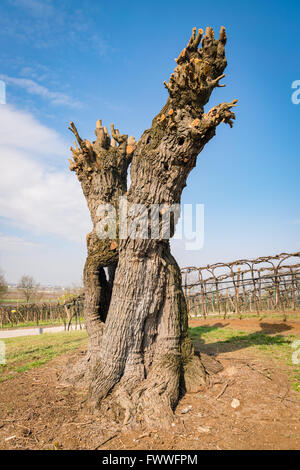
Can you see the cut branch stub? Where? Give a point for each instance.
(198, 70)
(86, 154)
(103, 138)
(211, 119)
(120, 139)
(75, 132)
(131, 146)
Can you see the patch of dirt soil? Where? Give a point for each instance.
(36, 412)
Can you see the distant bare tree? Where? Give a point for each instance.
(3, 284)
(28, 287)
(39, 295)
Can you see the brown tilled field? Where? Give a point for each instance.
(258, 377)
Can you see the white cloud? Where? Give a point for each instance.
(34, 195)
(11, 243)
(19, 130)
(35, 7)
(32, 87)
(45, 25)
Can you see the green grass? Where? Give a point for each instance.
(33, 323)
(218, 339)
(28, 352)
(265, 315)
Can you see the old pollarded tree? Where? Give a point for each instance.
(140, 357)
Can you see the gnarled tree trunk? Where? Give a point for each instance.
(140, 357)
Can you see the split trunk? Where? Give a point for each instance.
(140, 358)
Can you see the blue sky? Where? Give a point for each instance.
(81, 61)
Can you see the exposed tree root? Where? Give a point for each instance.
(151, 401)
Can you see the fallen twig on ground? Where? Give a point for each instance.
(259, 371)
(224, 388)
(107, 440)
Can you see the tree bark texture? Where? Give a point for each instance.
(140, 357)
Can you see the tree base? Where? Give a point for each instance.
(150, 402)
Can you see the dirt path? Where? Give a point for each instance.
(14, 333)
(37, 413)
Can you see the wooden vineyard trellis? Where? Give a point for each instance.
(268, 283)
(12, 315)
